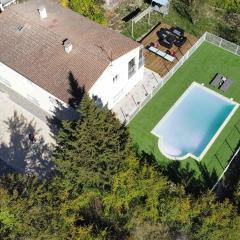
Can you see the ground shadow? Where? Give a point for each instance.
(66, 112)
(77, 92)
(5, 169)
(195, 181)
(231, 33)
(69, 111)
(22, 155)
(228, 184)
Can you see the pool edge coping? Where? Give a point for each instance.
(172, 108)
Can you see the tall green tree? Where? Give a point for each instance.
(214, 220)
(89, 8)
(231, 6)
(94, 147)
(8, 223)
(142, 196)
(191, 9)
(101, 190)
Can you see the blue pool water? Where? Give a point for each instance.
(191, 124)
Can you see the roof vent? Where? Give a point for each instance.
(42, 12)
(67, 46)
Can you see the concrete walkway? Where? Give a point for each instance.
(19, 118)
(142, 91)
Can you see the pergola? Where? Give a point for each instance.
(140, 16)
(163, 3)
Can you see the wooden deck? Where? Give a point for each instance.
(158, 64)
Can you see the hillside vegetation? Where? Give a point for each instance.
(101, 189)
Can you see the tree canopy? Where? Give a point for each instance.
(102, 190)
(89, 8)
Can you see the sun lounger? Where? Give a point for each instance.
(226, 84)
(161, 53)
(217, 80)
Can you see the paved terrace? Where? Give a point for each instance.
(129, 104)
(18, 118)
(155, 68)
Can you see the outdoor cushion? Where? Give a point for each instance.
(162, 33)
(165, 43)
(180, 42)
(216, 80)
(226, 84)
(177, 31)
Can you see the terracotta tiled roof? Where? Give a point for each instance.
(33, 47)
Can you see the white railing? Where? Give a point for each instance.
(220, 42)
(164, 79)
(225, 170)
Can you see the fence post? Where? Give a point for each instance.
(205, 35)
(237, 50)
(220, 44)
(182, 60)
(219, 162)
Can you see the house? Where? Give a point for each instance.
(43, 45)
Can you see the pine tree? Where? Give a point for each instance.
(93, 148)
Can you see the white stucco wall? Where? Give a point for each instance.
(29, 90)
(108, 91)
(111, 92)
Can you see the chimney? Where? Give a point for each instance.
(42, 12)
(67, 46)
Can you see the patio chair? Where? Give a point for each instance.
(168, 41)
(179, 32)
(160, 53)
(217, 80)
(162, 33)
(180, 41)
(226, 84)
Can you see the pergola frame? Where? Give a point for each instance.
(140, 16)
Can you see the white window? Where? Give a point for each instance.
(131, 68)
(5, 81)
(115, 78)
(141, 58)
(33, 100)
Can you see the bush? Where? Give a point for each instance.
(90, 9)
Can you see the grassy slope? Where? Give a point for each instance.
(212, 20)
(142, 27)
(200, 67)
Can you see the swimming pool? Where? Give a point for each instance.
(193, 123)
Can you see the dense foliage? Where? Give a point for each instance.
(102, 190)
(221, 17)
(192, 9)
(89, 8)
(232, 6)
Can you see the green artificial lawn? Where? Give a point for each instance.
(200, 67)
